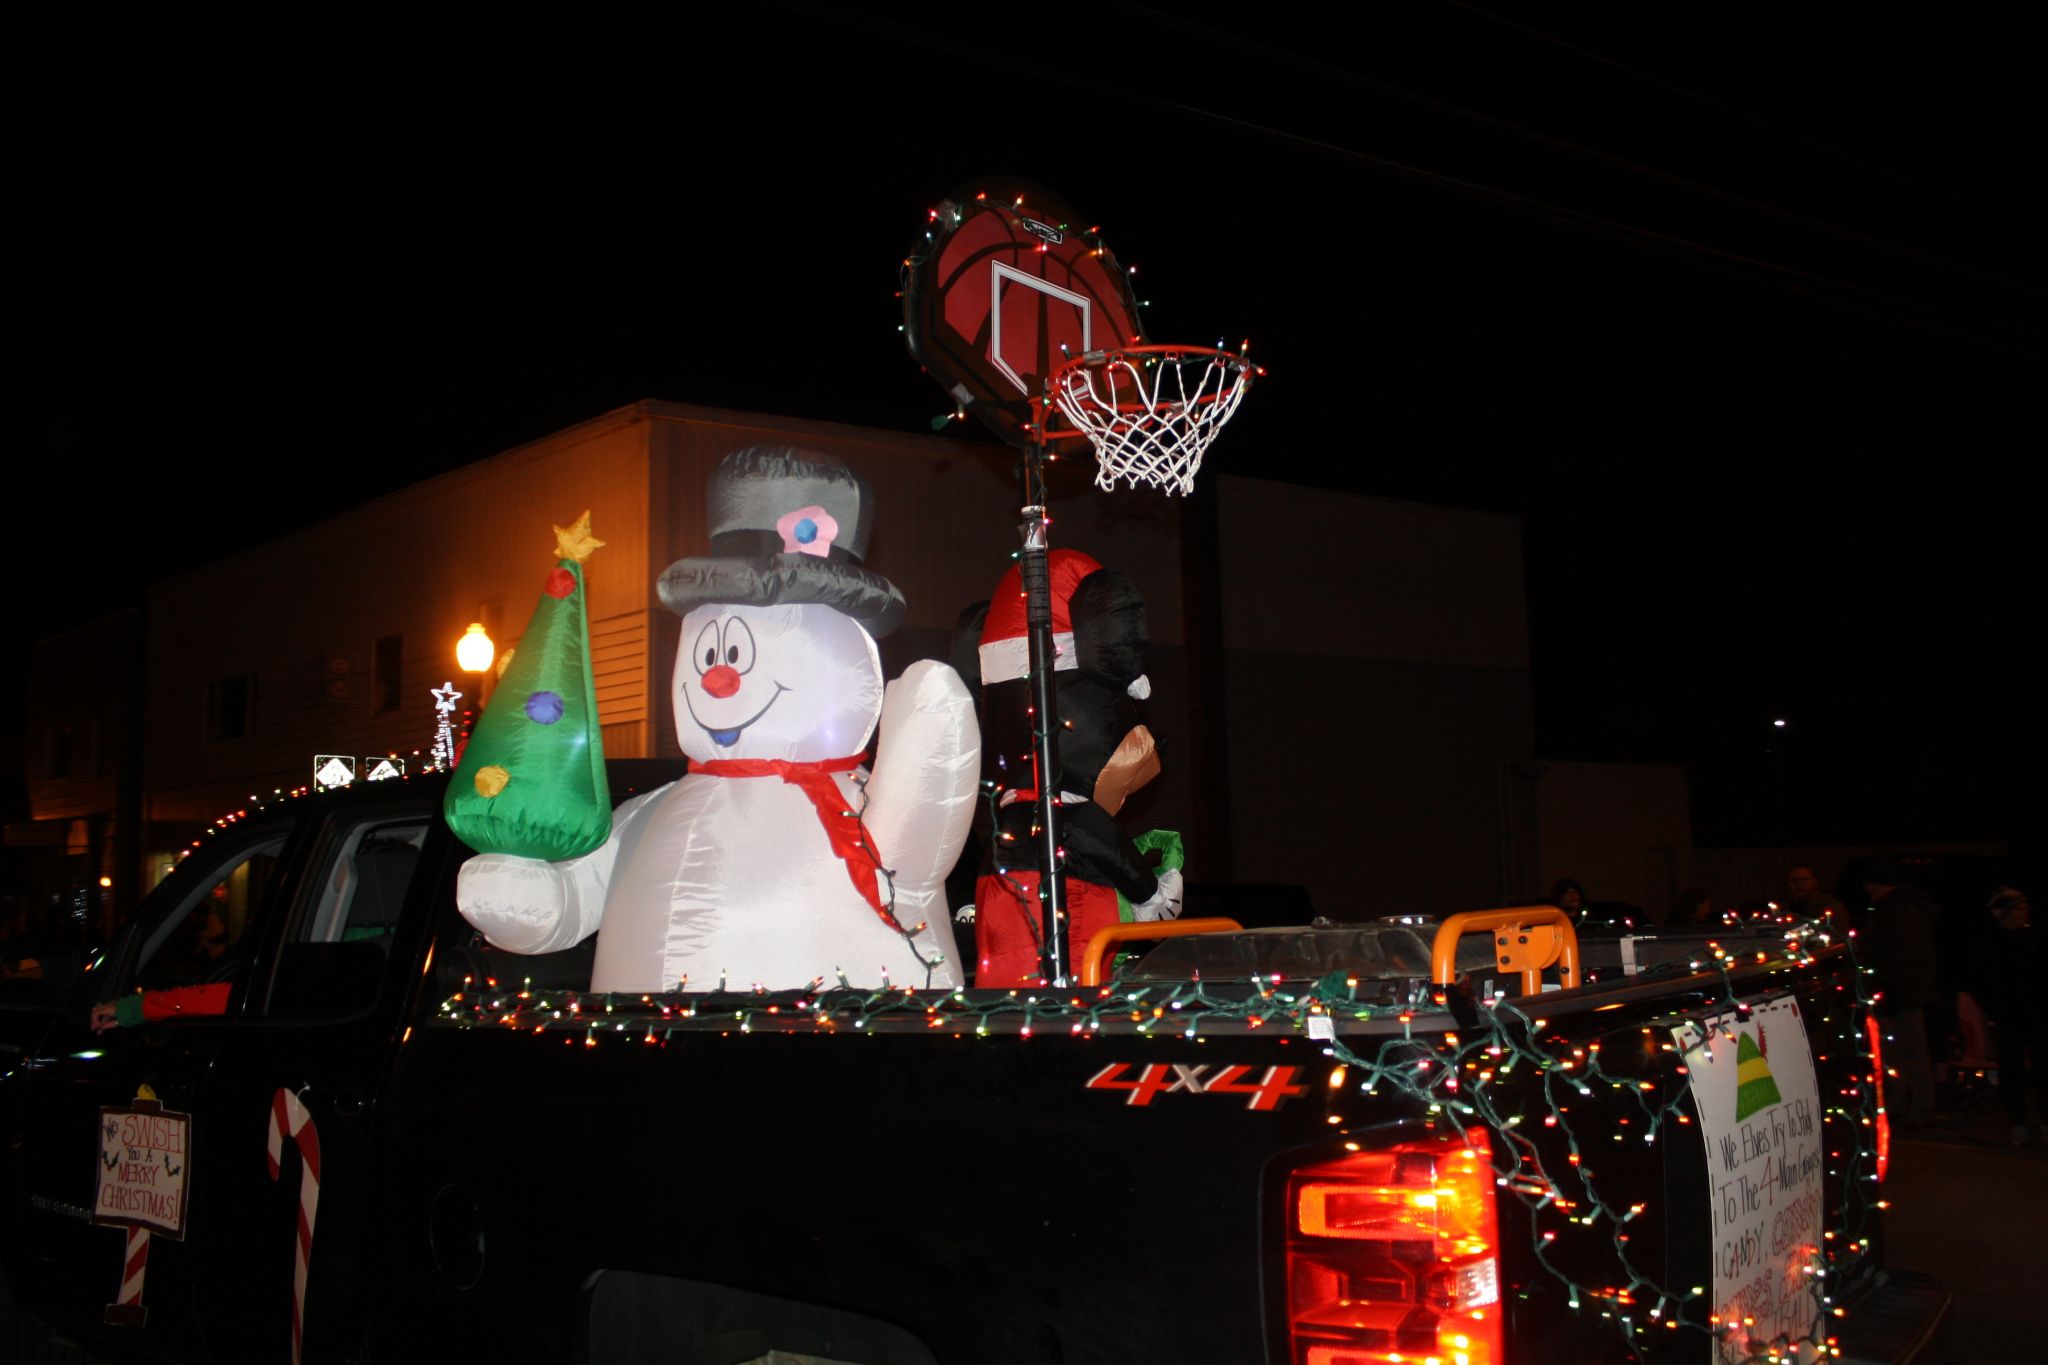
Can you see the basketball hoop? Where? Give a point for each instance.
(1150, 411)
(1029, 323)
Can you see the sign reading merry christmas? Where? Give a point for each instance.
(145, 1151)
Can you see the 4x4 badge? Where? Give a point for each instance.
(1267, 1093)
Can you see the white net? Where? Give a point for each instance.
(1151, 411)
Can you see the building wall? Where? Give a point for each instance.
(80, 689)
(83, 715)
(1337, 702)
(1378, 694)
(1622, 830)
(300, 617)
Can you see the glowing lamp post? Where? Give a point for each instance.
(475, 651)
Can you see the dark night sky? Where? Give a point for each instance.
(1742, 318)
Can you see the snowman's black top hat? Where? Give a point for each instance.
(787, 526)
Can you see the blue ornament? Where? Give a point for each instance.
(806, 531)
(544, 708)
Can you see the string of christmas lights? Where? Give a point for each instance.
(1447, 1072)
(930, 962)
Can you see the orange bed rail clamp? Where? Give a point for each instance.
(1144, 931)
(1526, 939)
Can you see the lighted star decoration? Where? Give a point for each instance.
(445, 697)
(575, 542)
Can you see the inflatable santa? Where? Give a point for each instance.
(1104, 754)
(780, 859)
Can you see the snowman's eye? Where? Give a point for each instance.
(707, 647)
(739, 645)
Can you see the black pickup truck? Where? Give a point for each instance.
(1333, 1145)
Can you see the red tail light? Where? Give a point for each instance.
(1393, 1256)
(1884, 1123)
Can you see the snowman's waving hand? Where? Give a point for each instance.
(529, 905)
(920, 794)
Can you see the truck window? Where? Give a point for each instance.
(331, 963)
(200, 938)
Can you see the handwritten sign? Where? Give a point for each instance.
(1752, 1076)
(145, 1151)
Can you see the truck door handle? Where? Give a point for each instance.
(329, 1099)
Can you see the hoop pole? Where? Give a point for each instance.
(1054, 958)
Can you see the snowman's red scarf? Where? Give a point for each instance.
(850, 840)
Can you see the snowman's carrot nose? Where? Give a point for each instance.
(721, 681)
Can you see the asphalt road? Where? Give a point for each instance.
(1970, 1208)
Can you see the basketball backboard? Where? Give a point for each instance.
(1006, 285)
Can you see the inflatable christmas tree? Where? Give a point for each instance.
(531, 781)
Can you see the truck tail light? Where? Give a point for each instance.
(1393, 1256)
(1884, 1122)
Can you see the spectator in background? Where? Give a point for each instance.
(1568, 896)
(2008, 982)
(23, 936)
(1899, 939)
(1694, 912)
(1805, 900)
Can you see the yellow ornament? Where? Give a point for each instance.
(491, 780)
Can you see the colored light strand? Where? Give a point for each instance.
(1477, 1070)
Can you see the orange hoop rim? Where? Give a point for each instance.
(1240, 367)
(1109, 355)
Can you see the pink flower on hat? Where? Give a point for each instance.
(807, 531)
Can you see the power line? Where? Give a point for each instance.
(1848, 296)
(1332, 69)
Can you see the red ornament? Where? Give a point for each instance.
(560, 583)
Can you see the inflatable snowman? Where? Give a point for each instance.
(778, 860)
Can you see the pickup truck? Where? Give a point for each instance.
(1483, 1142)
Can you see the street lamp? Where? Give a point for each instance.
(475, 651)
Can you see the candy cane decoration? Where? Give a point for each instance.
(127, 1307)
(288, 1118)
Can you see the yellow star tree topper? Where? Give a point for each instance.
(575, 542)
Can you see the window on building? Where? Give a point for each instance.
(385, 670)
(229, 704)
